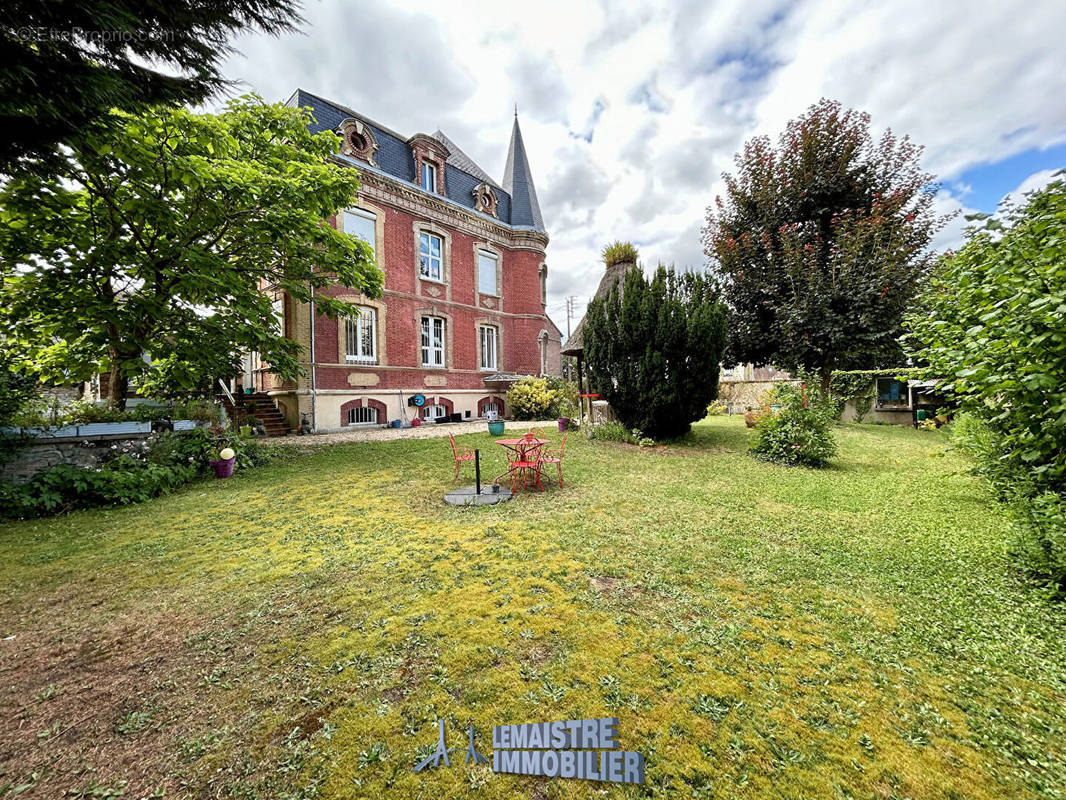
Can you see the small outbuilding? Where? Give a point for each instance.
(613, 275)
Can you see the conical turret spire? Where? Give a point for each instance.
(518, 182)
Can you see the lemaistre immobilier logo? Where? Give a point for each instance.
(577, 748)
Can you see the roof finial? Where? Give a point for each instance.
(516, 110)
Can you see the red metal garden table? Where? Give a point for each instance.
(522, 461)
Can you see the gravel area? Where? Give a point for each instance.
(421, 432)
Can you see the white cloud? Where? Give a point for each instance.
(1034, 183)
(667, 93)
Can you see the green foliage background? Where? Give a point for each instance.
(548, 397)
(993, 321)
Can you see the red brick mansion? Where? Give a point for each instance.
(463, 310)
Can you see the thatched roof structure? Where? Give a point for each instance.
(612, 275)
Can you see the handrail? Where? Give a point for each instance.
(227, 392)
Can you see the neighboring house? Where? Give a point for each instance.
(463, 310)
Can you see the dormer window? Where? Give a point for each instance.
(429, 177)
(357, 140)
(430, 156)
(485, 199)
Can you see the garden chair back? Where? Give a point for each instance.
(524, 463)
(460, 453)
(547, 458)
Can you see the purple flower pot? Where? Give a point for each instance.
(564, 423)
(223, 469)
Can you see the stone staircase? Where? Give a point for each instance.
(262, 407)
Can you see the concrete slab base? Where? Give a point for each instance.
(468, 496)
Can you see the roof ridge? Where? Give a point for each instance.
(460, 159)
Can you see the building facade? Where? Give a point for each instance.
(462, 314)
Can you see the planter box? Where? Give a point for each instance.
(184, 424)
(114, 428)
(53, 432)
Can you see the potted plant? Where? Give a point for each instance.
(224, 465)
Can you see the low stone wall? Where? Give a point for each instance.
(738, 395)
(41, 454)
(888, 416)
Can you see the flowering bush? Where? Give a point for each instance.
(542, 398)
(798, 433)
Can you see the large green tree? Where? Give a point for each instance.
(158, 242)
(64, 64)
(992, 324)
(821, 243)
(653, 349)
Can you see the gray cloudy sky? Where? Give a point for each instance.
(631, 111)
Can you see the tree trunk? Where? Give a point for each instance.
(827, 374)
(117, 384)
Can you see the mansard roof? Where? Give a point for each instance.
(462, 174)
(462, 161)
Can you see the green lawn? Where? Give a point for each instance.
(759, 631)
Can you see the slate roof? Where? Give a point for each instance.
(518, 183)
(462, 161)
(461, 174)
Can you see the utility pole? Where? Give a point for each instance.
(570, 307)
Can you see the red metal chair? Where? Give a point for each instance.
(525, 463)
(460, 454)
(546, 457)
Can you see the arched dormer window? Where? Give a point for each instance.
(430, 156)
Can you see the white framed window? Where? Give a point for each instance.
(488, 339)
(491, 410)
(432, 342)
(486, 273)
(362, 416)
(362, 225)
(277, 309)
(434, 412)
(430, 247)
(429, 177)
(361, 336)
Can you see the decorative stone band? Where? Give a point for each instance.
(382, 188)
